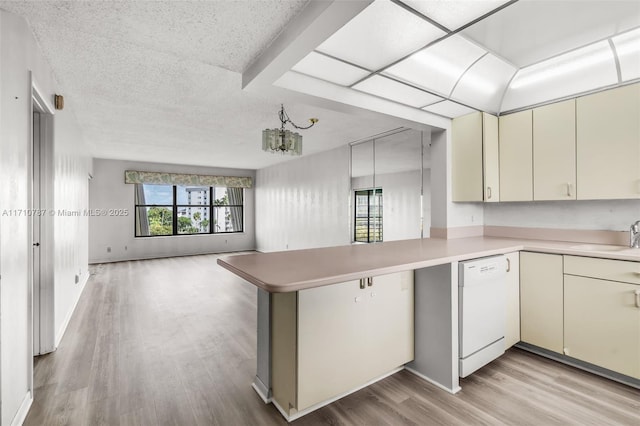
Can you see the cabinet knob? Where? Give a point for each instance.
(568, 189)
(488, 192)
(508, 265)
(637, 294)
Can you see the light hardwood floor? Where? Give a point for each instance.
(172, 341)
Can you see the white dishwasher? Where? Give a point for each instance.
(481, 311)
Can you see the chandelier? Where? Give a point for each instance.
(282, 140)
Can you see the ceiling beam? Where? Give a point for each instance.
(313, 25)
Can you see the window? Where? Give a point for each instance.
(187, 210)
(368, 216)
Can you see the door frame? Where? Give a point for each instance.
(42, 298)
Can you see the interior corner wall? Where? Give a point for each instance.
(611, 215)
(304, 203)
(112, 239)
(19, 54)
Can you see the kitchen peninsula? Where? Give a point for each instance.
(333, 320)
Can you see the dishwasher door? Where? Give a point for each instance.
(482, 304)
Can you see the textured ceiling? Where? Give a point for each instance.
(160, 81)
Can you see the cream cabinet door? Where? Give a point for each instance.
(512, 323)
(608, 144)
(541, 293)
(602, 323)
(516, 156)
(474, 153)
(466, 158)
(348, 336)
(554, 151)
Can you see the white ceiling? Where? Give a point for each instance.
(161, 81)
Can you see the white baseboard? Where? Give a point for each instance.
(65, 323)
(261, 390)
(433, 382)
(306, 411)
(21, 414)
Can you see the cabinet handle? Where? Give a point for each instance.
(362, 284)
(637, 293)
(370, 281)
(508, 265)
(569, 189)
(488, 192)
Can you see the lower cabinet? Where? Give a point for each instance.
(329, 340)
(602, 317)
(512, 320)
(541, 310)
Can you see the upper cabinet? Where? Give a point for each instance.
(554, 151)
(475, 173)
(586, 149)
(516, 162)
(608, 144)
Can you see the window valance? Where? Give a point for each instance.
(133, 176)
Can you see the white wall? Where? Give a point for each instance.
(19, 54)
(107, 190)
(304, 203)
(71, 233)
(612, 215)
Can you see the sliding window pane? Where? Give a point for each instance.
(153, 221)
(193, 220)
(227, 219)
(147, 194)
(192, 195)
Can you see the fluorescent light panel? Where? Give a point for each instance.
(382, 33)
(453, 14)
(449, 109)
(484, 83)
(329, 69)
(438, 67)
(389, 89)
(628, 51)
(581, 70)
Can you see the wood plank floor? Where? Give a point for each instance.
(172, 342)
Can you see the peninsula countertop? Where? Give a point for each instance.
(294, 270)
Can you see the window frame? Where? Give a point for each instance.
(371, 193)
(174, 208)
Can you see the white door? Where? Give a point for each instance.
(36, 224)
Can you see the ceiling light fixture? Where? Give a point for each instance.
(282, 140)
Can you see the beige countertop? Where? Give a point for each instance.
(295, 270)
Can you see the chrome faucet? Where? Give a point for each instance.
(634, 235)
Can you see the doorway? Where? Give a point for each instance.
(41, 219)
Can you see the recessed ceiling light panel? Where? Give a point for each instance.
(449, 109)
(628, 51)
(484, 83)
(438, 67)
(454, 13)
(382, 33)
(581, 70)
(329, 69)
(389, 89)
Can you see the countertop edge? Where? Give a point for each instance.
(518, 245)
